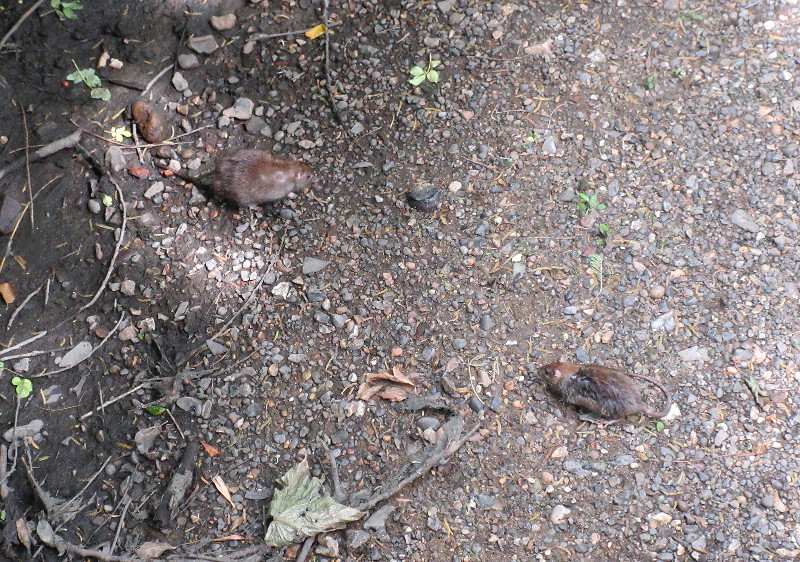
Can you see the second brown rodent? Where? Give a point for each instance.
(606, 392)
(252, 177)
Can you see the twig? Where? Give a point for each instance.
(262, 36)
(27, 163)
(107, 403)
(22, 343)
(45, 151)
(338, 493)
(11, 238)
(98, 346)
(53, 540)
(222, 330)
(62, 509)
(328, 79)
(120, 525)
(3, 472)
(21, 306)
(22, 18)
(306, 550)
(152, 82)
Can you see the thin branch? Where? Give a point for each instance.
(22, 18)
(155, 79)
(92, 352)
(22, 343)
(21, 306)
(45, 151)
(107, 403)
(262, 36)
(27, 162)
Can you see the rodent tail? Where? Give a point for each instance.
(647, 410)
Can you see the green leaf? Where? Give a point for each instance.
(416, 81)
(659, 426)
(299, 510)
(55, 3)
(433, 76)
(583, 196)
(435, 63)
(601, 206)
(604, 228)
(155, 410)
(107, 200)
(16, 381)
(582, 207)
(593, 201)
(417, 71)
(101, 94)
(75, 77)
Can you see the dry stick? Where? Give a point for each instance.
(21, 306)
(107, 403)
(74, 498)
(152, 82)
(120, 525)
(105, 339)
(3, 472)
(262, 36)
(22, 18)
(45, 151)
(306, 550)
(27, 163)
(22, 343)
(11, 238)
(196, 350)
(328, 86)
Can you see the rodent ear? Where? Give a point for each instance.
(557, 374)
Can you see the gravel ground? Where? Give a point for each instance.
(682, 120)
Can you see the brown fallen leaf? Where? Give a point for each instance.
(210, 449)
(8, 293)
(23, 532)
(222, 488)
(394, 386)
(152, 549)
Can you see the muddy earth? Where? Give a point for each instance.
(612, 181)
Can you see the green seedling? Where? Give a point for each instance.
(119, 134)
(66, 10)
(659, 426)
(23, 386)
(650, 83)
(588, 203)
(691, 15)
(155, 410)
(89, 77)
(533, 137)
(419, 74)
(678, 72)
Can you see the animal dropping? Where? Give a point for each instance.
(252, 177)
(609, 393)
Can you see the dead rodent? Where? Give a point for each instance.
(606, 392)
(252, 177)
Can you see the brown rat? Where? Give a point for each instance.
(607, 392)
(252, 177)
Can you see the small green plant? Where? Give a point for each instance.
(588, 203)
(691, 15)
(604, 229)
(678, 72)
(23, 386)
(119, 134)
(66, 10)
(419, 74)
(155, 410)
(89, 77)
(650, 83)
(533, 137)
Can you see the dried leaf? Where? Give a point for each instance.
(394, 386)
(316, 31)
(8, 293)
(152, 549)
(212, 451)
(234, 537)
(299, 510)
(222, 488)
(23, 532)
(239, 520)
